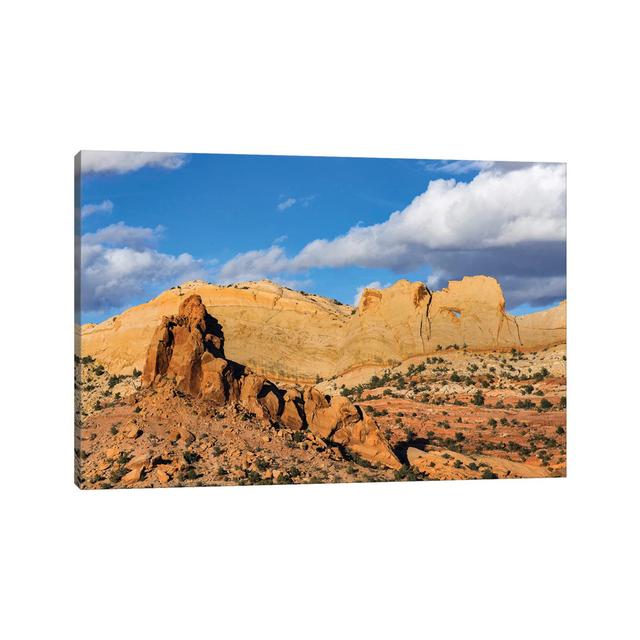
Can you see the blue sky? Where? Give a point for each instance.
(150, 221)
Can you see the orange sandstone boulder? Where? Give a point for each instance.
(338, 420)
(260, 397)
(365, 439)
(293, 410)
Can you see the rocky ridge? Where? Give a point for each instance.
(294, 336)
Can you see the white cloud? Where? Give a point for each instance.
(461, 167)
(289, 202)
(126, 161)
(106, 206)
(457, 166)
(285, 204)
(493, 210)
(120, 263)
(506, 221)
(436, 280)
(254, 265)
(120, 234)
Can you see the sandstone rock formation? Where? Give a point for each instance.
(187, 352)
(188, 349)
(337, 419)
(293, 336)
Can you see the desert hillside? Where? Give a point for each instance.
(299, 337)
(193, 416)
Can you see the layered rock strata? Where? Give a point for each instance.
(294, 336)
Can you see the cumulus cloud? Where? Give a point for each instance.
(493, 210)
(106, 206)
(254, 265)
(120, 263)
(508, 222)
(126, 161)
(120, 234)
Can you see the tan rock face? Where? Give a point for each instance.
(291, 336)
(186, 351)
(337, 419)
(364, 438)
(293, 412)
(261, 397)
(219, 379)
(318, 413)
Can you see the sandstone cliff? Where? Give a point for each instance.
(294, 336)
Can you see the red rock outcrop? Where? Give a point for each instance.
(187, 351)
(339, 420)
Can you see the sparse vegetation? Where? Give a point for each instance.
(113, 381)
(117, 474)
(191, 457)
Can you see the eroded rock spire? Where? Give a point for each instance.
(187, 350)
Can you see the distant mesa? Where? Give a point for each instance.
(293, 336)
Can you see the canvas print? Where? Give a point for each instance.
(252, 320)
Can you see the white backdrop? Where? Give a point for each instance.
(469, 80)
